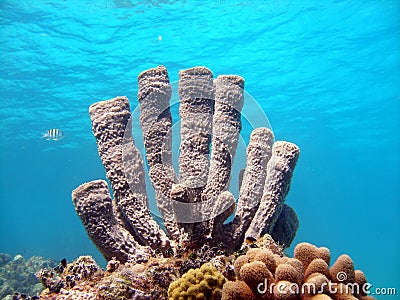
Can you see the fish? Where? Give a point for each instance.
(251, 242)
(64, 262)
(53, 134)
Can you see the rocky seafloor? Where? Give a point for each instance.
(260, 270)
(17, 274)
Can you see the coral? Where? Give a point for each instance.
(254, 273)
(343, 270)
(307, 276)
(306, 253)
(115, 286)
(204, 283)
(83, 269)
(317, 265)
(138, 281)
(343, 293)
(83, 279)
(252, 269)
(314, 284)
(259, 274)
(238, 290)
(239, 262)
(48, 280)
(194, 204)
(17, 277)
(268, 258)
(321, 297)
(360, 279)
(289, 273)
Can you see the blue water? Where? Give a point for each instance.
(326, 73)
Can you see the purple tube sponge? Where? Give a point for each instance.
(194, 202)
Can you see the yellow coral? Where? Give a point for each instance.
(204, 283)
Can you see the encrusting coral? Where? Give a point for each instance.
(261, 274)
(195, 204)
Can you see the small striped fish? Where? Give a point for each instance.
(53, 134)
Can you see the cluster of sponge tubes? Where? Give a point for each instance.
(195, 204)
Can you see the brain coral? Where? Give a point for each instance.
(204, 283)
